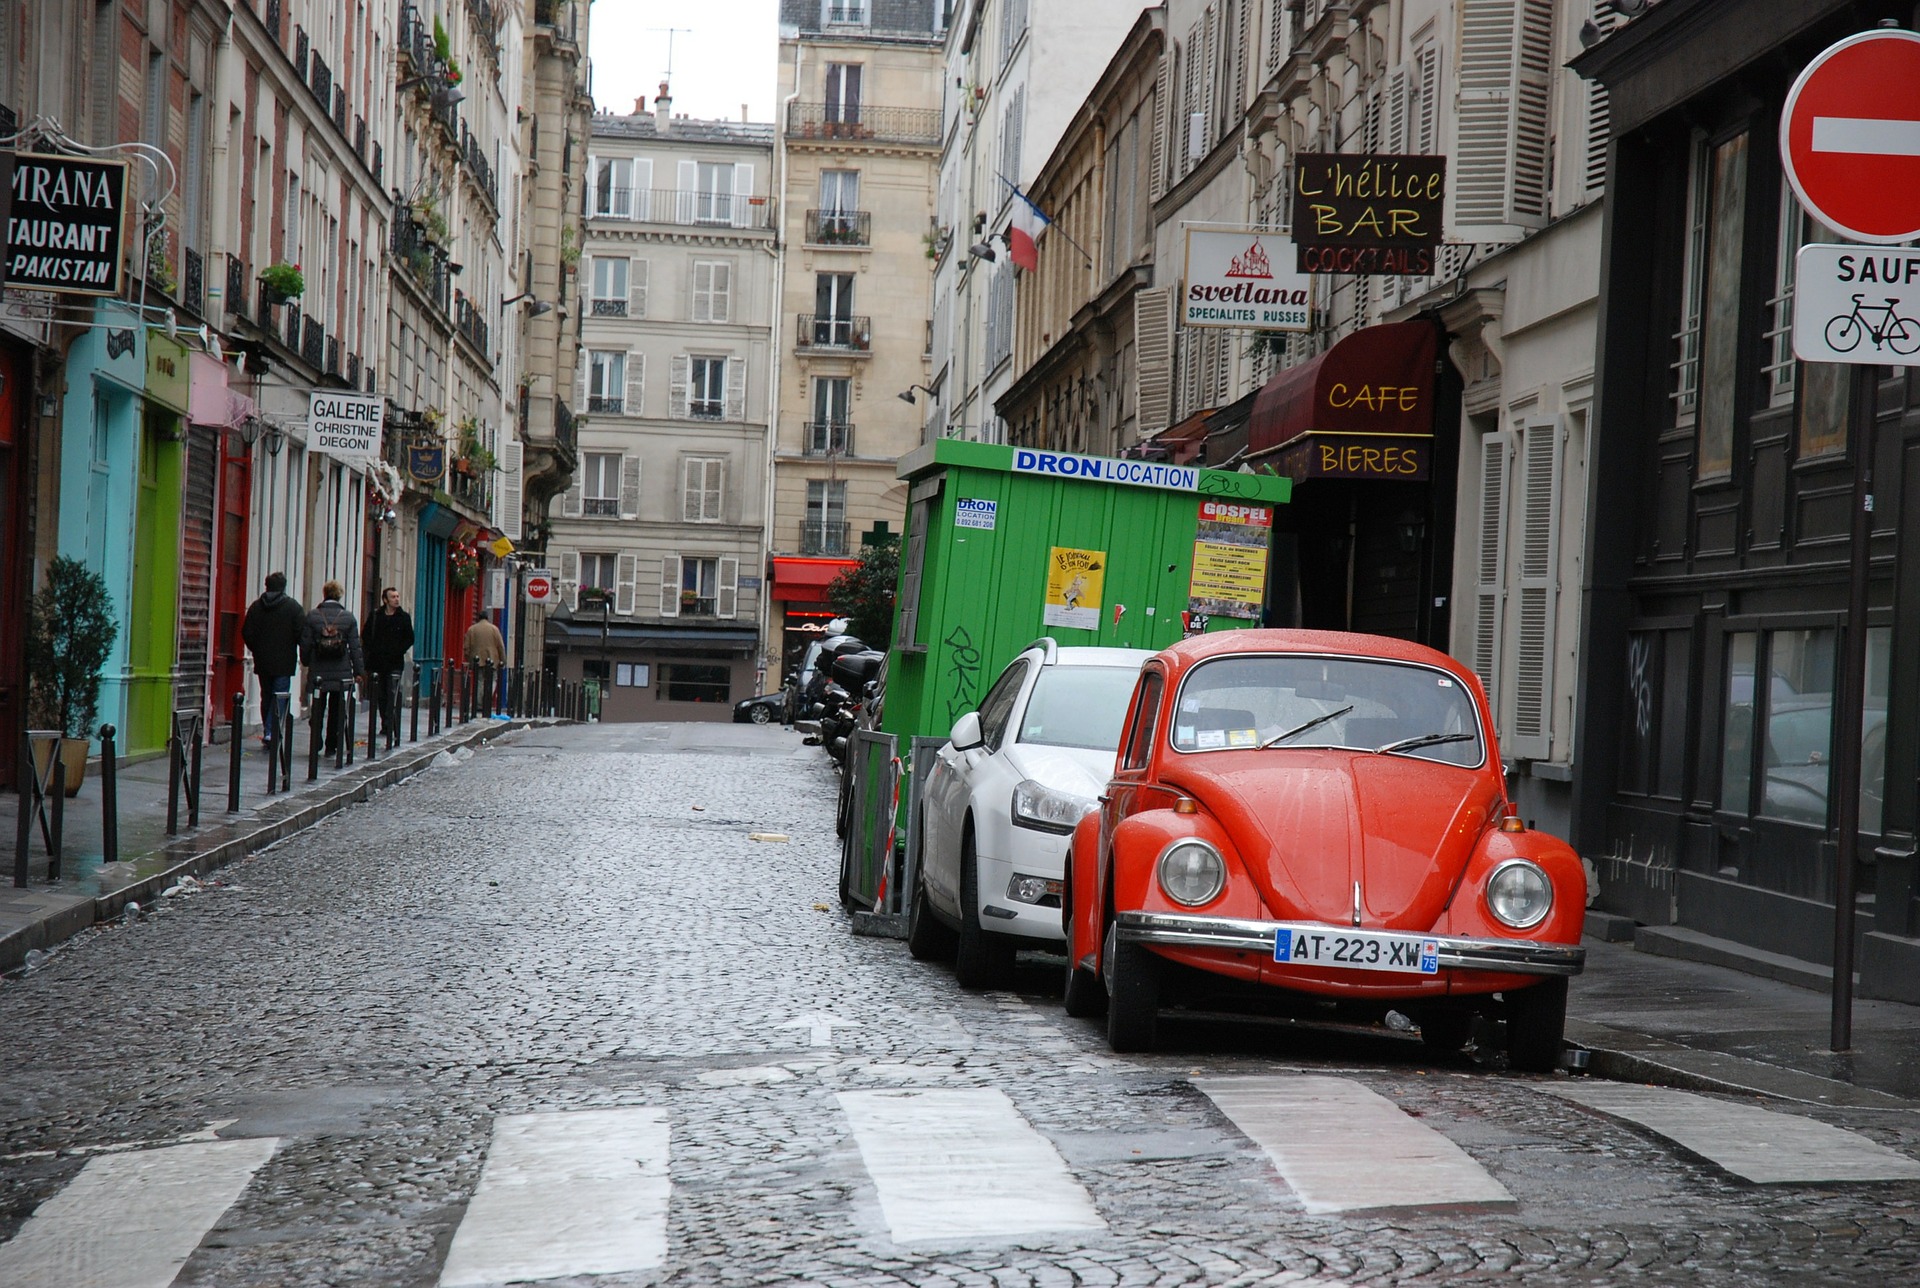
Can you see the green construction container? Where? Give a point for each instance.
(997, 537)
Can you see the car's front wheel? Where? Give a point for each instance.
(760, 715)
(1084, 996)
(1536, 1026)
(982, 959)
(1133, 994)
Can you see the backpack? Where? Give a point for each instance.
(330, 642)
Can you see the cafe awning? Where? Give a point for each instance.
(1362, 409)
(801, 580)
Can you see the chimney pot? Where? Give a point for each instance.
(662, 109)
(640, 105)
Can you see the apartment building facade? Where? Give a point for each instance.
(660, 540)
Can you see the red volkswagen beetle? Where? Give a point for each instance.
(1319, 822)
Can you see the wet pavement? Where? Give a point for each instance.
(403, 1040)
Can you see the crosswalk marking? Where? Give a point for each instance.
(962, 1164)
(131, 1220)
(1342, 1148)
(576, 1193)
(1754, 1144)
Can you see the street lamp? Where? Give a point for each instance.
(906, 395)
(534, 310)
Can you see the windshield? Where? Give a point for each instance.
(1301, 701)
(1078, 706)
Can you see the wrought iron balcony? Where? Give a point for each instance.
(834, 334)
(604, 403)
(616, 308)
(682, 206)
(818, 538)
(237, 278)
(861, 123)
(313, 344)
(193, 280)
(839, 228)
(827, 438)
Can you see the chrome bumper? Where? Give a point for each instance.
(1240, 934)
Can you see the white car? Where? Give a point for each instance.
(1000, 803)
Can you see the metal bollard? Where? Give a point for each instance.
(414, 733)
(433, 704)
(176, 769)
(193, 788)
(109, 796)
(283, 745)
(235, 739)
(22, 828)
(340, 721)
(376, 699)
(314, 739)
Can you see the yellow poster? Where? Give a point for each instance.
(1074, 581)
(1229, 560)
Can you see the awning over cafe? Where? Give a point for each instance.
(798, 580)
(1362, 409)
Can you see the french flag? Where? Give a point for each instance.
(1024, 233)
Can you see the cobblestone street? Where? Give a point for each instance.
(577, 920)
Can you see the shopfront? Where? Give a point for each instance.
(1368, 432)
(800, 606)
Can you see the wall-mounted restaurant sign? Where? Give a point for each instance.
(66, 224)
(1367, 214)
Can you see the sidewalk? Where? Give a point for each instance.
(1649, 1018)
(90, 891)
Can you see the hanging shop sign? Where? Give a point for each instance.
(345, 426)
(427, 461)
(1242, 277)
(1075, 579)
(1229, 576)
(542, 587)
(66, 224)
(1368, 214)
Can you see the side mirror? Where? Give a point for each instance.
(966, 732)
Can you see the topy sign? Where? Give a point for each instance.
(1850, 136)
(66, 229)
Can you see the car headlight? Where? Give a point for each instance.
(1192, 872)
(1046, 810)
(1519, 894)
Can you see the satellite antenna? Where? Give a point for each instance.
(685, 31)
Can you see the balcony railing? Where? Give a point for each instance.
(818, 538)
(193, 280)
(609, 308)
(293, 327)
(847, 14)
(320, 81)
(839, 334)
(857, 121)
(477, 164)
(236, 286)
(424, 261)
(706, 408)
(604, 403)
(840, 227)
(313, 344)
(827, 438)
(468, 322)
(681, 206)
(601, 507)
(566, 429)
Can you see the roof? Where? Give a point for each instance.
(1094, 655)
(685, 129)
(1350, 643)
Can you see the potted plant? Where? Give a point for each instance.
(283, 282)
(595, 596)
(68, 639)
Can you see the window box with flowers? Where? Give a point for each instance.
(283, 282)
(595, 596)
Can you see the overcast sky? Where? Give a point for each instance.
(724, 54)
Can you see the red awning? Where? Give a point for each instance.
(1379, 380)
(805, 581)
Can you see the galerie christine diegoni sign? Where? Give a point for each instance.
(1244, 278)
(1368, 214)
(66, 225)
(346, 426)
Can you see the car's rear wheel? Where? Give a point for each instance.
(1133, 994)
(982, 958)
(927, 939)
(1536, 1026)
(1445, 1030)
(760, 714)
(1084, 996)
(843, 805)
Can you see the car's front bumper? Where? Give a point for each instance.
(1241, 934)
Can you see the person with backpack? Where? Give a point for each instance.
(388, 635)
(330, 650)
(272, 631)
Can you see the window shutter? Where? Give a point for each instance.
(583, 363)
(570, 578)
(742, 196)
(1162, 111)
(1393, 112)
(625, 569)
(728, 593)
(1506, 51)
(637, 270)
(1237, 76)
(511, 463)
(713, 496)
(689, 189)
(1490, 575)
(1599, 115)
(634, 403)
(1426, 114)
(1209, 80)
(1153, 359)
(736, 387)
(700, 291)
(670, 586)
(690, 472)
(570, 508)
(595, 184)
(1370, 120)
(643, 188)
(1532, 734)
(677, 377)
(630, 486)
(720, 307)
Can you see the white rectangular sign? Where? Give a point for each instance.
(1241, 277)
(1105, 469)
(1858, 304)
(345, 425)
(971, 513)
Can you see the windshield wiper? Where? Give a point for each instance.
(1298, 729)
(1424, 740)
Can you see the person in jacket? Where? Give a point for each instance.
(271, 631)
(330, 651)
(484, 644)
(387, 635)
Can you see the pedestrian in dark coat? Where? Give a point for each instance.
(388, 635)
(271, 631)
(330, 650)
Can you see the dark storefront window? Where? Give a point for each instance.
(694, 682)
(1823, 408)
(1720, 313)
(1654, 748)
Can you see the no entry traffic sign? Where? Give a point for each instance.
(1850, 136)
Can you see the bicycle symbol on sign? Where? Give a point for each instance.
(1902, 335)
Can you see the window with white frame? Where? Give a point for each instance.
(714, 204)
(699, 586)
(599, 571)
(824, 532)
(610, 286)
(705, 479)
(600, 484)
(613, 187)
(707, 399)
(712, 290)
(606, 381)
